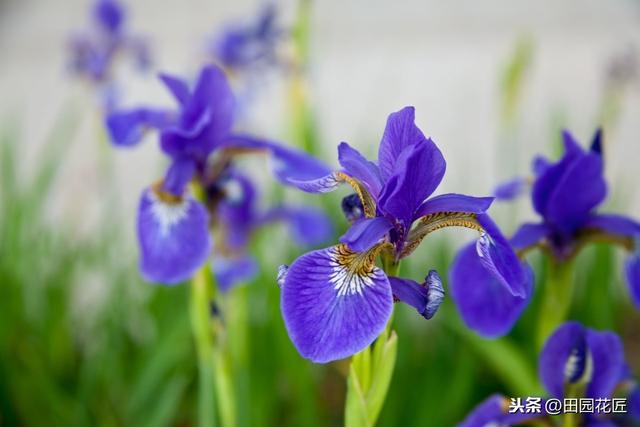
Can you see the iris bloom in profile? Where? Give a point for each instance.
(566, 194)
(576, 362)
(94, 51)
(250, 46)
(173, 226)
(336, 301)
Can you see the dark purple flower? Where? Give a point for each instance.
(249, 46)
(336, 301)
(94, 52)
(566, 194)
(168, 218)
(575, 362)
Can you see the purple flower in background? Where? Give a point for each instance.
(173, 227)
(94, 52)
(249, 46)
(575, 362)
(237, 217)
(566, 195)
(336, 301)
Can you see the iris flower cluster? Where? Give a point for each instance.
(336, 301)
(576, 362)
(94, 52)
(566, 195)
(173, 226)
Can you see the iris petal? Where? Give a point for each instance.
(366, 233)
(173, 236)
(308, 226)
(632, 273)
(484, 303)
(334, 303)
(452, 202)
(126, 128)
(232, 271)
(425, 298)
(608, 363)
(358, 167)
(528, 235)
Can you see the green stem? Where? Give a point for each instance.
(557, 296)
(371, 371)
(203, 332)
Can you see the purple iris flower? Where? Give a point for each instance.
(576, 362)
(566, 194)
(336, 301)
(94, 52)
(237, 216)
(173, 227)
(249, 46)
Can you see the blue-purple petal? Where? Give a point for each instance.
(356, 166)
(617, 225)
(126, 128)
(308, 226)
(426, 298)
(366, 233)
(452, 202)
(178, 175)
(418, 172)
(399, 133)
(529, 234)
(607, 354)
(173, 236)
(109, 14)
(330, 311)
(632, 273)
(493, 412)
(178, 88)
(233, 271)
(485, 304)
(510, 189)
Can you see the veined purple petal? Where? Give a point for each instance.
(607, 353)
(575, 354)
(632, 273)
(399, 133)
(418, 171)
(178, 176)
(173, 236)
(126, 128)
(452, 202)
(497, 255)
(178, 88)
(356, 166)
(425, 298)
(510, 189)
(232, 271)
(333, 306)
(485, 303)
(528, 235)
(365, 233)
(617, 225)
(308, 226)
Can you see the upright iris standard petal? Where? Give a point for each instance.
(173, 235)
(232, 271)
(178, 88)
(109, 14)
(452, 202)
(356, 166)
(399, 133)
(581, 188)
(335, 303)
(126, 128)
(485, 303)
(418, 171)
(366, 233)
(529, 234)
(425, 298)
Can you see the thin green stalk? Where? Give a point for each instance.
(557, 296)
(371, 371)
(203, 332)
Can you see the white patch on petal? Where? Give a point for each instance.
(351, 271)
(167, 214)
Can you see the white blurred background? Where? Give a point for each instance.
(369, 58)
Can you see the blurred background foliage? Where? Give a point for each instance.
(84, 341)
